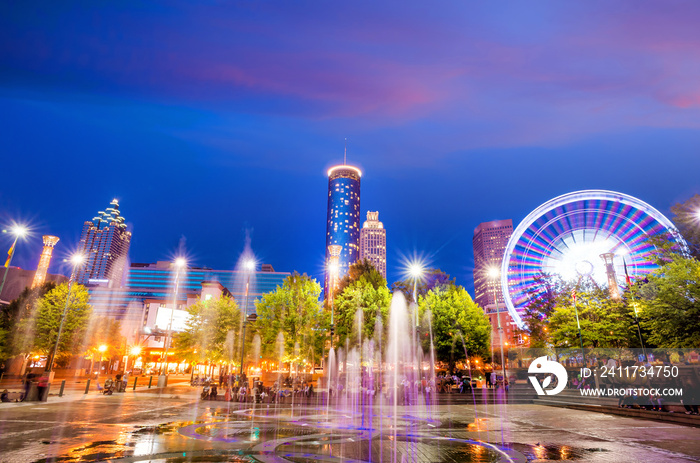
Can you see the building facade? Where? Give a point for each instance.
(156, 281)
(343, 219)
(105, 243)
(489, 245)
(373, 242)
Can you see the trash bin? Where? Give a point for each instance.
(121, 387)
(38, 391)
(162, 381)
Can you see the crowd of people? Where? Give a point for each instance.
(237, 388)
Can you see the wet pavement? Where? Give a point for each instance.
(177, 427)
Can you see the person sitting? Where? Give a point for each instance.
(242, 394)
(5, 396)
(213, 393)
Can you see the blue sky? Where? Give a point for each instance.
(212, 119)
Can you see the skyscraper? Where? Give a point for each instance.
(373, 242)
(44, 260)
(105, 243)
(343, 223)
(489, 244)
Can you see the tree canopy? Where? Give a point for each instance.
(686, 217)
(370, 300)
(48, 318)
(669, 303)
(455, 316)
(433, 278)
(209, 330)
(293, 310)
(16, 337)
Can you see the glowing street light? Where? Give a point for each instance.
(102, 348)
(77, 260)
(20, 231)
(249, 266)
(494, 273)
(179, 263)
(417, 271)
(136, 351)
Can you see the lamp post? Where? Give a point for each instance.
(20, 232)
(249, 267)
(76, 260)
(494, 273)
(333, 267)
(180, 263)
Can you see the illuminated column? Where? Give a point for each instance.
(613, 289)
(334, 256)
(44, 260)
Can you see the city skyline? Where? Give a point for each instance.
(230, 123)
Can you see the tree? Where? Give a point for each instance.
(686, 217)
(539, 309)
(12, 340)
(206, 337)
(293, 310)
(454, 317)
(362, 269)
(363, 296)
(432, 279)
(48, 318)
(669, 303)
(605, 322)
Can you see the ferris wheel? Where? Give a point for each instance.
(569, 236)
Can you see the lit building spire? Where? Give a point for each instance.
(44, 260)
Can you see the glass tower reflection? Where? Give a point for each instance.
(343, 223)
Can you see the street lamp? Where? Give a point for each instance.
(179, 263)
(77, 260)
(20, 232)
(494, 273)
(416, 270)
(249, 267)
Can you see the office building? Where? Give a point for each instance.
(343, 219)
(489, 245)
(105, 243)
(373, 242)
(44, 260)
(156, 281)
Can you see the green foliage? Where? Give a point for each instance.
(48, 318)
(539, 309)
(605, 322)
(362, 269)
(371, 300)
(669, 303)
(433, 279)
(454, 313)
(209, 332)
(13, 340)
(294, 310)
(686, 217)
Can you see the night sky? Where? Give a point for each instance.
(215, 121)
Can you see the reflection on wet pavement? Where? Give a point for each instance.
(174, 429)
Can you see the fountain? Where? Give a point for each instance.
(376, 402)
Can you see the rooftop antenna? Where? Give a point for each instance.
(345, 156)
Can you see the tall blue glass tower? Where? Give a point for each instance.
(343, 224)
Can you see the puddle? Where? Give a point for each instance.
(550, 452)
